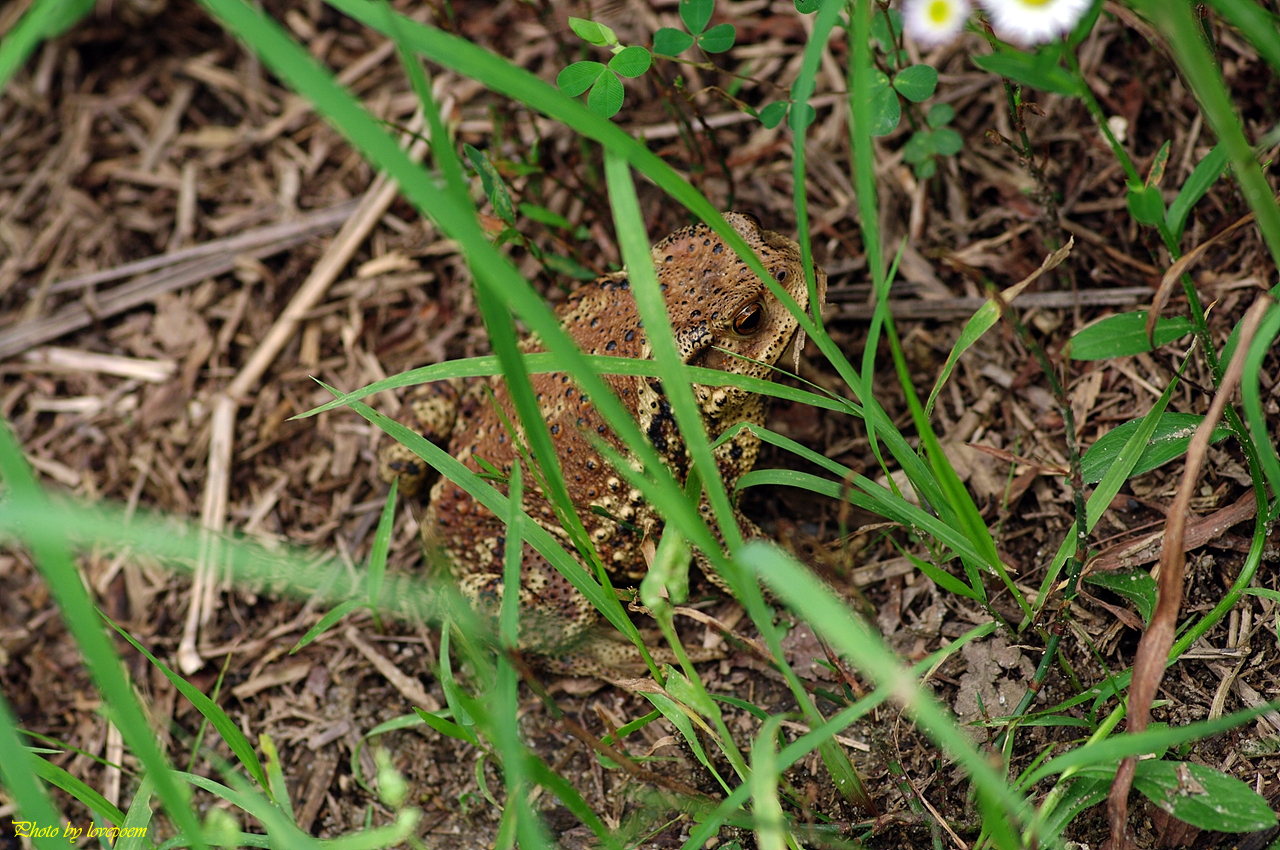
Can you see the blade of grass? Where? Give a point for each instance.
(986, 316)
(136, 820)
(545, 362)
(1205, 79)
(52, 557)
(45, 19)
(636, 253)
(809, 741)
(208, 709)
(877, 499)
(1100, 499)
(808, 596)
(77, 788)
(1251, 397)
(18, 770)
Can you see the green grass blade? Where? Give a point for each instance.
(208, 709)
(327, 621)
(1100, 499)
(1111, 750)
(1251, 397)
(447, 727)
(45, 19)
(378, 549)
(1202, 177)
(814, 601)
(1255, 24)
(801, 90)
(275, 776)
(49, 548)
(137, 819)
(873, 498)
(18, 770)
(598, 363)
(1204, 77)
(77, 788)
(634, 245)
(770, 827)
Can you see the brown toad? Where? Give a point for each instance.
(718, 308)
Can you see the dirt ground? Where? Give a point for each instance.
(147, 132)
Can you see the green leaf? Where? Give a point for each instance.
(718, 39)
(593, 32)
(919, 147)
(940, 114)
(579, 77)
(926, 169)
(696, 14)
(567, 267)
(941, 577)
(542, 215)
(1146, 205)
(802, 116)
(1038, 70)
(494, 189)
(327, 621)
(886, 27)
(447, 727)
(771, 116)
(1202, 177)
(947, 142)
(1203, 797)
(675, 715)
(631, 61)
(916, 83)
(806, 7)
(230, 732)
(1137, 586)
(1079, 793)
(606, 96)
(885, 109)
(1170, 439)
(1156, 173)
(1124, 334)
(669, 41)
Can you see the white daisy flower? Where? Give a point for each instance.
(932, 22)
(1034, 21)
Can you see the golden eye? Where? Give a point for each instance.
(749, 319)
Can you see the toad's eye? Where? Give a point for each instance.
(749, 319)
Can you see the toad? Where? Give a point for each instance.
(723, 317)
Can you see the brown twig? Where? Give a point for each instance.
(1153, 649)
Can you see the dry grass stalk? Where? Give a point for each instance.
(213, 513)
(1153, 649)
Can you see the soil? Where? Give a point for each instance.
(146, 131)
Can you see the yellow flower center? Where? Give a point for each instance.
(1037, 2)
(939, 11)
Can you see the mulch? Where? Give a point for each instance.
(163, 200)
